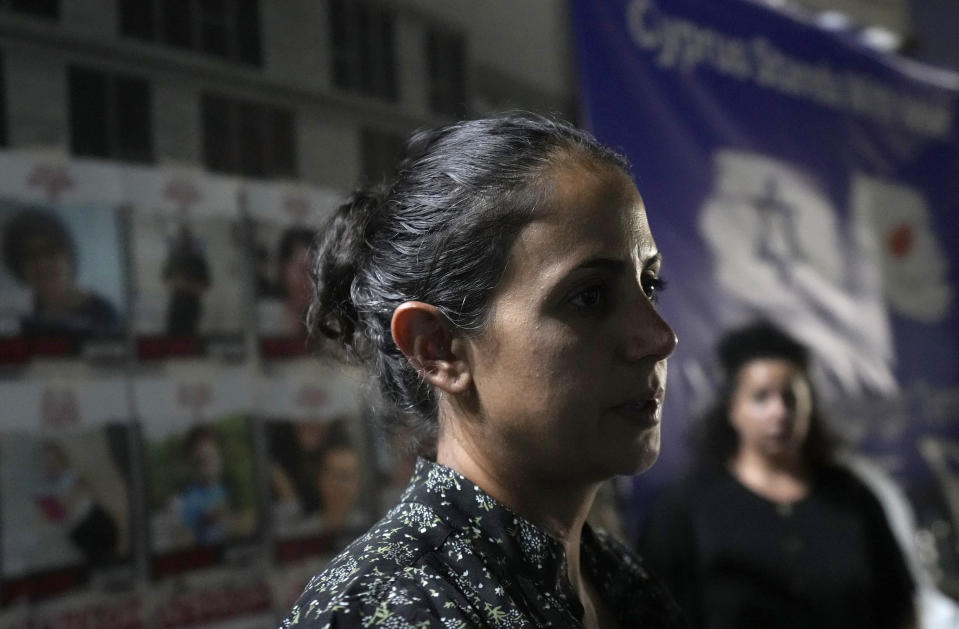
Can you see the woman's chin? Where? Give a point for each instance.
(642, 457)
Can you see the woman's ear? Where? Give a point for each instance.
(424, 336)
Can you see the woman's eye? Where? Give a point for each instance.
(588, 298)
(653, 286)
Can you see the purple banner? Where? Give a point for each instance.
(792, 174)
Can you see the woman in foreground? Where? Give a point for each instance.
(771, 531)
(501, 289)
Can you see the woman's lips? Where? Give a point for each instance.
(644, 413)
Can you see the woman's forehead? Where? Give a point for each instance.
(593, 197)
(590, 215)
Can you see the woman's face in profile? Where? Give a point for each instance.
(570, 370)
(770, 408)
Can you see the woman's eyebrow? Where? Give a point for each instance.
(611, 265)
(616, 265)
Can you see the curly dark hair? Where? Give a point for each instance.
(30, 223)
(439, 229)
(714, 437)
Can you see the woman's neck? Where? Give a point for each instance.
(559, 508)
(781, 479)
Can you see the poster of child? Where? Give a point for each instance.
(201, 485)
(189, 262)
(62, 272)
(198, 453)
(284, 220)
(65, 483)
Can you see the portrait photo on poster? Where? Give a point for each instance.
(283, 221)
(65, 510)
(316, 474)
(282, 282)
(63, 276)
(188, 281)
(202, 493)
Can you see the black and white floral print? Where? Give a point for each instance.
(449, 555)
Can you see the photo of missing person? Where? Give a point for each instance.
(186, 274)
(62, 272)
(202, 486)
(65, 498)
(316, 480)
(64, 502)
(203, 503)
(283, 278)
(189, 274)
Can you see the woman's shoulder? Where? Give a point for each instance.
(386, 573)
(347, 594)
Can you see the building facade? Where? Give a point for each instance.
(316, 90)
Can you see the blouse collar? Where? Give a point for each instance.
(508, 538)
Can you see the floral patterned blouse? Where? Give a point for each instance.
(449, 555)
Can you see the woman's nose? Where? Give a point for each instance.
(781, 408)
(648, 335)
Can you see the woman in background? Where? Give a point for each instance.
(769, 530)
(500, 287)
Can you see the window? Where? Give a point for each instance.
(381, 151)
(229, 29)
(363, 56)
(247, 138)
(110, 116)
(446, 63)
(49, 9)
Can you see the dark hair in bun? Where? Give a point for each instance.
(438, 230)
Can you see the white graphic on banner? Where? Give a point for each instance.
(778, 249)
(892, 224)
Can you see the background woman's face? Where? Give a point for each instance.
(571, 369)
(770, 408)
